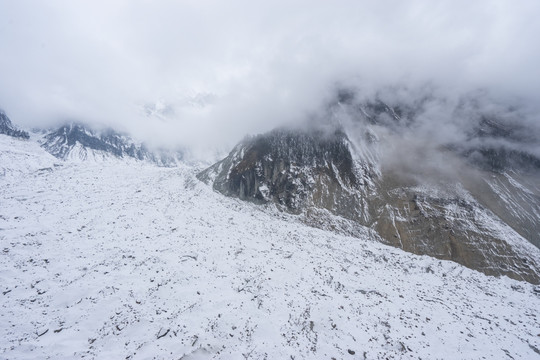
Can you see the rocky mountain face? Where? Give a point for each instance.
(454, 227)
(7, 128)
(486, 217)
(77, 141)
(296, 170)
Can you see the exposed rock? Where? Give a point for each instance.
(455, 228)
(312, 172)
(7, 128)
(296, 170)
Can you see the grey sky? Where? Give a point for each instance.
(226, 68)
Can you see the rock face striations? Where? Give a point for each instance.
(486, 219)
(296, 170)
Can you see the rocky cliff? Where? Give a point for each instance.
(296, 170)
(7, 128)
(485, 218)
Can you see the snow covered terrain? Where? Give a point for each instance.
(80, 142)
(127, 260)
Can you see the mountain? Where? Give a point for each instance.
(125, 260)
(78, 141)
(485, 217)
(7, 128)
(296, 170)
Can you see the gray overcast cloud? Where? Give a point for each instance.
(192, 71)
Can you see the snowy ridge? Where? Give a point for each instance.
(157, 265)
(77, 142)
(7, 128)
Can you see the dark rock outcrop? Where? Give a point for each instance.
(296, 170)
(7, 128)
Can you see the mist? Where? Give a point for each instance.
(206, 73)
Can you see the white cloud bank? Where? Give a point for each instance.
(215, 70)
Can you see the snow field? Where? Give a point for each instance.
(131, 261)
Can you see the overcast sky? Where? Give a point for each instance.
(227, 68)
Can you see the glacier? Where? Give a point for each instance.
(117, 259)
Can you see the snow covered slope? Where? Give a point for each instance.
(134, 261)
(19, 158)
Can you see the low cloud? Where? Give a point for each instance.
(205, 73)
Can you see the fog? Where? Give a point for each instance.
(206, 73)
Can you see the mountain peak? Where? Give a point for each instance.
(82, 142)
(295, 169)
(7, 128)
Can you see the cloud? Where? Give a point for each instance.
(224, 69)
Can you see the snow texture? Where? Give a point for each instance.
(119, 260)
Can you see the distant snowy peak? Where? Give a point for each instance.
(80, 142)
(7, 128)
